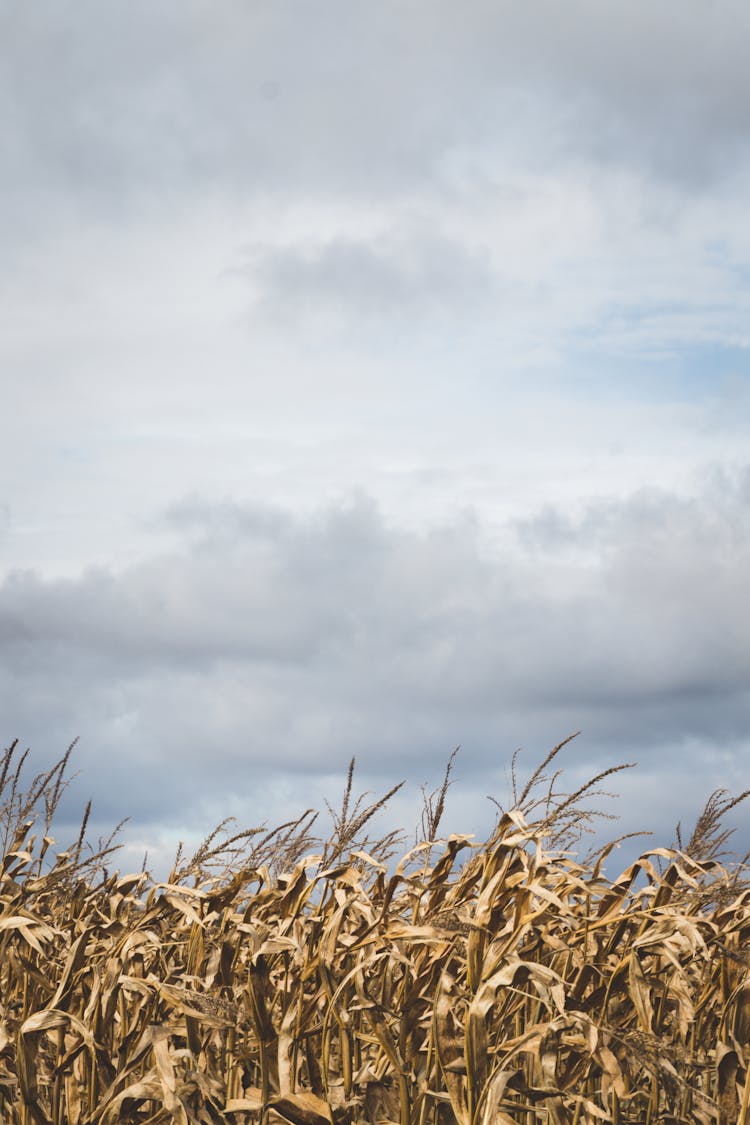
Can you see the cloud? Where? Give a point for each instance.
(656, 90)
(530, 186)
(108, 110)
(480, 263)
(270, 647)
(397, 281)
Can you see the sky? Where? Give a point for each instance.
(375, 379)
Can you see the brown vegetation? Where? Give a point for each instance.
(503, 983)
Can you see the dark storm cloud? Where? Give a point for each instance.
(270, 645)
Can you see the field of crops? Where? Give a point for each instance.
(274, 977)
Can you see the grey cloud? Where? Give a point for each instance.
(661, 89)
(271, 646)
(704, 530)
(365, 152)
(107, 106)
(394, 278)
(672, 572)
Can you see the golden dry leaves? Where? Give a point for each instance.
(476, 985)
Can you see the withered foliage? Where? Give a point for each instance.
(474, 984)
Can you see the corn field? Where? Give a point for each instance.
(505, 982)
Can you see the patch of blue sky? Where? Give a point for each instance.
(654, 368)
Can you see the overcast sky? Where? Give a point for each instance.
(375, 379)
